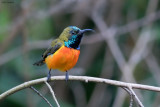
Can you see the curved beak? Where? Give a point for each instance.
(85, 30)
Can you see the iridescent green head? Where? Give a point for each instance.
(72, 36)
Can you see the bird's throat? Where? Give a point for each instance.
(74, 42)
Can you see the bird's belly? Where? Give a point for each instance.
(63, 59)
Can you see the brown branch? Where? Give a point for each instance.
(135, 96)
(52, 92)
(138, 23)
(20, 20)
(131, 96)
(79, 78)
(36, 91)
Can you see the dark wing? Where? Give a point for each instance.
(49, 51)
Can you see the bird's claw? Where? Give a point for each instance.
(67, 76)
(49, 76)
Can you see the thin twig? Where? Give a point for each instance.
(79, 78)
(35, 90)
(8, 56)
(20, 20)
(108, 35)
(131, 96)
(138, 23)
(135, 96)
(53, 95)
(100, 89)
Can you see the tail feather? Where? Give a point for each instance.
(39, 63)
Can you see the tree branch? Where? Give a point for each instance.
(36, 91)
(131, 96)
(53, 95)
(79, 78)
(135, 96)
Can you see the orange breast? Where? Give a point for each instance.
(63, 59)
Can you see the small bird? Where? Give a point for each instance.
(64, 51)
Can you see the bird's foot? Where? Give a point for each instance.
(67, 76)
(49, 76)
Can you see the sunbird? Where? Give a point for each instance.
(64, 51)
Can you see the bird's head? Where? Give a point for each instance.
(73, 36)
(73, 31)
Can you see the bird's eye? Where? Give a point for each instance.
(73, 33)
(77, 31)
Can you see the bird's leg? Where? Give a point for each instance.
(49, 76)
(67, 76)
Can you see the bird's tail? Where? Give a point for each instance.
(39, 63)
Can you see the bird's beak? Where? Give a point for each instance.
(85, 30)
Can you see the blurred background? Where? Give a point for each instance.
(124, 47)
